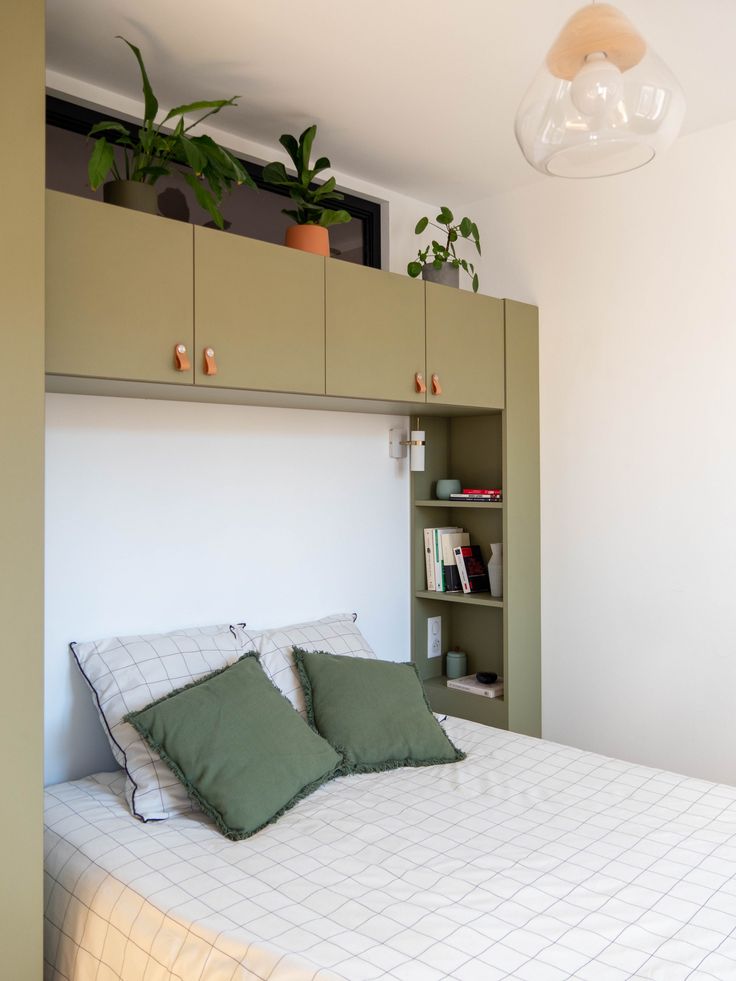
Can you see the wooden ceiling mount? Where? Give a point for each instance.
(597, 27)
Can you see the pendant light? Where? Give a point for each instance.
(602, 103)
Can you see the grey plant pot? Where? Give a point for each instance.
(446, 276)
(131, 194)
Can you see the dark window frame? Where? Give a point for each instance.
(80, 119)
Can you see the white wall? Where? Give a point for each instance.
(636, 281)
(168, 514)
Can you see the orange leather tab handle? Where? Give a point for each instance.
(181, 358)
(419, 382)
(436, 387)
(210, 365)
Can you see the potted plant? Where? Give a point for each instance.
(151, 154)
(440, 263)
(311, 215)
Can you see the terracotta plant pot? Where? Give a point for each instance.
(131, 194)
(446, 276)
(308, 238)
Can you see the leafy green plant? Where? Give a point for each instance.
(154, 153)
(437, 254)
(310, 201)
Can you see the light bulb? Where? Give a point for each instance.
(597, 87)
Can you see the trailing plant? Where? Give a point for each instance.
(436, 254)
(153, 153)
(310, 201)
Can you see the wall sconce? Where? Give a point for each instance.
(398, 443)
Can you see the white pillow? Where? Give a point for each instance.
(336, 634)
(127, 674)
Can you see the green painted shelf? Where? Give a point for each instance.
(478, 505)
(477, 599)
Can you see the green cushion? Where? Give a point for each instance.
(238, 746)
(374, 713)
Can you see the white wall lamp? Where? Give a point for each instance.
(398, 443)
(603, 102)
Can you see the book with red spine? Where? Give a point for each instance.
(473, 570)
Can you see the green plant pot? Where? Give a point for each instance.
(446, 276)
(131, 194)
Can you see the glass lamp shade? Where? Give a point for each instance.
(603, 121)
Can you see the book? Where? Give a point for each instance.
(439, 582)
(429, 558)
(482, 490)
(472, 569)
(475, 497)
(450, 574)
(470, 684)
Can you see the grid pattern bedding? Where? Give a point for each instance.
(529, 861)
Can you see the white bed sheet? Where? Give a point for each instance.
(529, 860)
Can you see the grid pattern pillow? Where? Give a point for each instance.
(336, 634)
(125, 675)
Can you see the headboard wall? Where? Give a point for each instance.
(167, 514)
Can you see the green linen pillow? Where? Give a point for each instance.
(374, 713)
(238, 746)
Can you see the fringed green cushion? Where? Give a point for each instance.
(238, 746)
(374, 713)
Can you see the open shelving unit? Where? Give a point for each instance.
(493, 448)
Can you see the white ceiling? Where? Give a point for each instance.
(415, 95)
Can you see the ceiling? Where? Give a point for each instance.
(415, 95)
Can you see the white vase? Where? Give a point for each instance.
(495, 569)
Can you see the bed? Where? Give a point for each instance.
(528, 860)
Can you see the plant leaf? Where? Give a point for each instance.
(437, 263)
(305, 151)
(195, 158)
(414, 269)
(215, 105)
(205, 199)
(102, 127)
(445, 216)
(329, 217)
(151, 102)
(421, 225)
(275, 173)
(466, 227)
(100, 162)
(475, 283)
(292, 148)
(321, 164)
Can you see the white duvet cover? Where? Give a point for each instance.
(528, 860)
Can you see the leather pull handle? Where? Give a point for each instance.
(420, 383)
(210, 365)
(181, 358)
(436, 387)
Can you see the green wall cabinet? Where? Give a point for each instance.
(118, 292)
(465, 348)
(488, 449)
(261, 309)
(375, 333)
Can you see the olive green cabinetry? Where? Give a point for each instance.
(487, 448)
(260, 308)
(375, 333)
(119, 287)
(465, 348)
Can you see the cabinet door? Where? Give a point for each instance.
(118, 291)
(465, 347)
(261, 309)
(375, 333)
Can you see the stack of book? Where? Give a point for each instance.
(453, 565)
(477, 495)
(472, 686)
